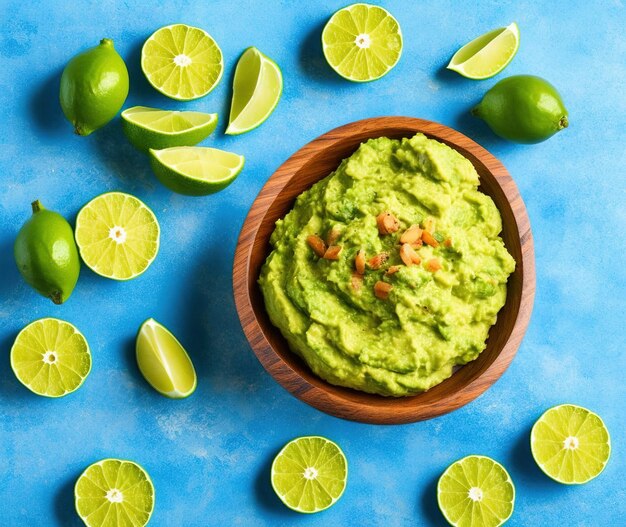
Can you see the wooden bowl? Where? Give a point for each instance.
(315, 161)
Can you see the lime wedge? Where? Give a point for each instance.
(309, 474)
(570, 444)
(117, 235)
(257, 87)
(195, 170)
(114, 492)
(153, 128)
(163, 361)
(488, 54)
(182, 62)
(362, 42)
(51, 357)
(476, 491)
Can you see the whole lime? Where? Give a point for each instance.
(524, 109)
(94, 86)
(46, 254)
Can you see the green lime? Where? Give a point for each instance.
(195, 170)
(51, 357)
(570, 444)
(114, 493)
(488, 54)
(362, 42)
(153, 128)
(94, 86)
(310, 474)
(117, 235)
(476, 491)
(524, 109)
(163, 361)
(182, 62)
(46, 255)
(257, 87)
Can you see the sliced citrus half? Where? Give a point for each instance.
(163, 361)
(488, 54)
(570, 444)
(51, 357)
(257, 87)
(182, 62)
(476, 491)
(149, 128)
(195, 170)
(117, 235)
(362, 42)
(114, 492)
(309, 474)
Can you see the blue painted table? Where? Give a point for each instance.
(209, 455)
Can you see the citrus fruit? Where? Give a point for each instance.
(476, 491)
(117, 235)
(46, 255)
(195, 170)
(570, 444)
(182, 62)
(257, 87)
(163, 361)
(51, 357)
(114, 493)
(524, 109)
(94, 86)
(488, 54)
(309, 474)
(362, 42)
(149, 128)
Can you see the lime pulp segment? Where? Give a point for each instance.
(117, 235)
(309, 474)
(257, 87)
(570, 444)
(182, 62)
(163, 361)
(488, 54)
(476, 491)
(51, 357)
(114, 492)
(362, 42)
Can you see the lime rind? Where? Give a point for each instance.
(101, 463)
(485, 49)
(279, 456)
(541, 465)
(508, 480)
(352, 54)
(147, 363)
(35, 351)
(269, 72)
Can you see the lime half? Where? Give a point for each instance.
(195, 170)
(362, 42)
(163, 361)
(309, 474)
(114, 492)
(182, 62)
(488, 54)
(117, 235)
(570, 444)
(476, 491)
(153, 128)
(257, 87)
(51, 357)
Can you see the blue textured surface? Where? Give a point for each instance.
(209, 455)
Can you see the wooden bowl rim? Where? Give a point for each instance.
(318, 396)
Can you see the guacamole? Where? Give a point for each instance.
(389, 272)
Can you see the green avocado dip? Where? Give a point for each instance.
(389, 272)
